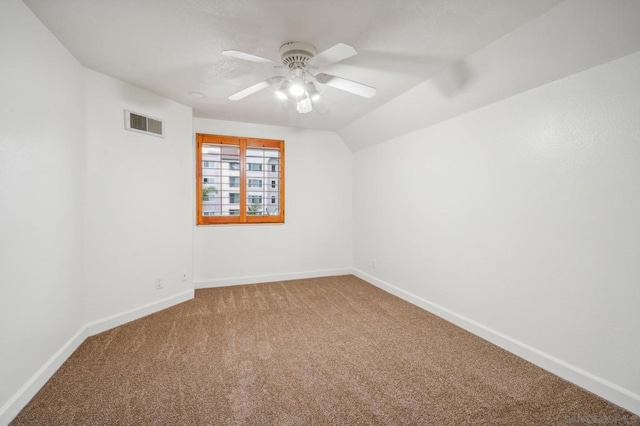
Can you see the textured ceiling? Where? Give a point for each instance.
(173, 47)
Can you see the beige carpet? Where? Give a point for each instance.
(319, 351)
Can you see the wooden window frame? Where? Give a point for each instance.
(243, 143)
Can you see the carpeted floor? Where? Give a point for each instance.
(319, 351)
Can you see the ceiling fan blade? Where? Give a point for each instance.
(332, 55)
(247, 57)
(255, 88)
(347, 85)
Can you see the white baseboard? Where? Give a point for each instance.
(98, 326)
(21, 398)
(597, 385)
(255, 279)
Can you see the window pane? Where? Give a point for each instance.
(220, 174)
(262, 197)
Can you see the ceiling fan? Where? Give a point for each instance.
(298, 85)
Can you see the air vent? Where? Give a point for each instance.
(143, 124)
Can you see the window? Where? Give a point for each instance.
(230, 180)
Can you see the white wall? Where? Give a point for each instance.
(139, 199)
(521, 218)
(41, 198)
(316, 238)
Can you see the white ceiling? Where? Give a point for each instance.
(173, 47)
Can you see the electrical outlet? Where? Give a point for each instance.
(159, 283)
(373, 263)
(184, 276)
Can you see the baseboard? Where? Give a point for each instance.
(95, 327)
(597, 385)
(255, 279)
(21, 398)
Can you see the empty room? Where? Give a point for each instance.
(419, 212)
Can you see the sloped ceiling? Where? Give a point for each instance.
(572, 37)
(173, 47)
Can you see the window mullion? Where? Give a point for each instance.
(243, 180)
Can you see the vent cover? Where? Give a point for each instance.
(143, 124)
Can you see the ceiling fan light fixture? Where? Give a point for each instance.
(296, 89)
(312, 92)
(304, 105)
(282, 90)
(297, 83)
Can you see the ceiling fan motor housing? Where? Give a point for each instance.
(296, 54)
